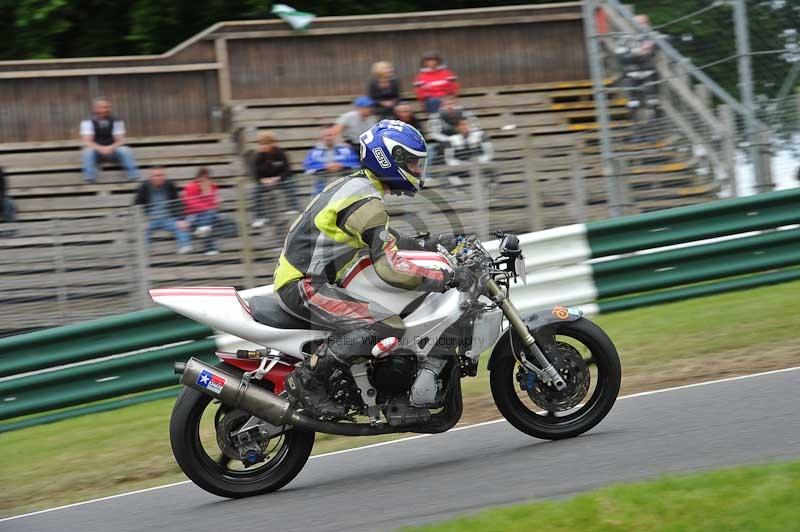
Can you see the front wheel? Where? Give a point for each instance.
(589, 363)
(197, 432)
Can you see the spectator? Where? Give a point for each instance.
(7, 211)
(383, 89)
(353, 123)
(159, 198)
(434, 81)
(201, 201)
(329, 158)
(468, 145)
(404, 112)
(271, 171)
(442, 125)
(104, 138)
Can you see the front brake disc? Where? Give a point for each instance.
(575, 372)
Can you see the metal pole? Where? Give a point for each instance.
(728, 141)
(479, 200)
(533, 192)
(61, 270)
(601, 102)
(143, 278)
(244, 231)
(786, 89)
(578, 187)
(754, 136)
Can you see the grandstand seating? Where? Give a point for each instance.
(550, 120)
(546, 122)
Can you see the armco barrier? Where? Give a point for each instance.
(82, 383)
(95, 339)
(693, 223)
(603, 266)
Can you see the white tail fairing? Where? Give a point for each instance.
(223, 308)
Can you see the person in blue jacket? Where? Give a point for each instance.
(329, 158)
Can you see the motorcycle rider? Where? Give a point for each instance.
(346, 220)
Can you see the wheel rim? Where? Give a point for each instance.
(591, 353)
(202, 428)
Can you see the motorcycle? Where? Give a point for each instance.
(235, 432)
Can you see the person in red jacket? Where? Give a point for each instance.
(200, 202)
(433, 81)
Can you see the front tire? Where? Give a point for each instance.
(214, 475)
(537, 421)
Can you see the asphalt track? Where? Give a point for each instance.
(431, 478)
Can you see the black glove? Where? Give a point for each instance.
(462, 279)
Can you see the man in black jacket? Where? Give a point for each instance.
(7, 211)
(161, 203)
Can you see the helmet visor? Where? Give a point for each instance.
(417, 167)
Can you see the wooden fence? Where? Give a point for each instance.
(187, 89)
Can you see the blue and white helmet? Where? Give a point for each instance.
(396, 153)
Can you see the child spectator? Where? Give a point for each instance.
(468, 144)
(353, 123)
(442, 125)
(201, 201)
(271, 171)
(403, 112)
(159, 198)
(434, 81)
(329, 158)
(103, 136)
(384, 89)
(7, 211)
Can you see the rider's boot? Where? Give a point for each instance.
(308, 384)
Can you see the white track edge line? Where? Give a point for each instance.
(416, 437)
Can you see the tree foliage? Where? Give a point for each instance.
(41, 29)
(709, 38)
(37, 29)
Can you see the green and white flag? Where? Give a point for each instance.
(298, 20)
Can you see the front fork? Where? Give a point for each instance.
(547, 370)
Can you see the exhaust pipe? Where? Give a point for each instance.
(232, 391)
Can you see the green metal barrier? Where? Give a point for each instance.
(676, 267)
(701, 290)
(96, 339)
(83, 383)
(693, 223)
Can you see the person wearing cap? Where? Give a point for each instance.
(353, 123)
(329, 158)
(434, 81)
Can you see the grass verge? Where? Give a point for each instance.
(754, 498)
(128, 449)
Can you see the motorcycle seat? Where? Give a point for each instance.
(266, 310)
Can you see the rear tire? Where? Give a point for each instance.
(184, 433)
(598, 405)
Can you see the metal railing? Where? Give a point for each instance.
(599, 264)
(67, 270)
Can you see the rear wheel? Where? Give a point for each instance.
(199, 434)
(590, 366)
